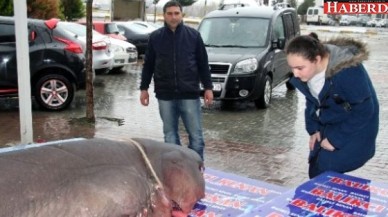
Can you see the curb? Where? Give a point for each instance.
(355, 30)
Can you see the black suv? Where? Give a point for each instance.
(56, 64)
(245, 46)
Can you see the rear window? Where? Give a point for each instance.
(111, 28)
(7, 33)
(312, 11)
(75, 28)
(139, 28)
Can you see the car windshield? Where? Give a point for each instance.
(154, 25)
(234, 32)
(111, 28)
(140, 28)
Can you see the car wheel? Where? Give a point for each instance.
(263, 101)
(117, 69)
(227, 104)
(54, 92)
(102, 71)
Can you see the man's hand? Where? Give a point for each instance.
(144, 98)
(208, 97)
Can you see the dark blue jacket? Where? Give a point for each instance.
(348, 108)
(178, 62)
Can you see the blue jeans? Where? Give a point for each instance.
(190, 112)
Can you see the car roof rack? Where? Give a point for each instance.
(227, 4)
(231, 5)
(282, 5)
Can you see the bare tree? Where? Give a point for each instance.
(293, 3)
(89, 60)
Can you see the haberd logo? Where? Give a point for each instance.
(355, 7)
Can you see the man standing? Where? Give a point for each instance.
(176, 57)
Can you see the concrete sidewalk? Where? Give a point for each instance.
(345, 29)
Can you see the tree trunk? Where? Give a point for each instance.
(89, 63)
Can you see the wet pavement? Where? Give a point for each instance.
(268, 145)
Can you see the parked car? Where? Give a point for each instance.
(245, 47)
(149, 25)
(56, 64)
(107, 28)
(317, 16)
(344, 22)
(137, 33)
(102, 54)
(362, 20)
(348, 20)
(332, 22)
(381, 23)
(125, 53)
(371, 23)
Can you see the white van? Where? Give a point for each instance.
(316, 16)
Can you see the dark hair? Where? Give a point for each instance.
(314, 35)
(306, 46)
(172, 4)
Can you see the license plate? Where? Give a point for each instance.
(216, 87)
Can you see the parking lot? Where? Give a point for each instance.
(268, 145)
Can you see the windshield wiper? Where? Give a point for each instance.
(211, 45)
(227, 45)
(233, 46)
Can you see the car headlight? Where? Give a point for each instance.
(246, 66)
(116, 48)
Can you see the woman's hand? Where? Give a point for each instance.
(325, 144)
(316, 137)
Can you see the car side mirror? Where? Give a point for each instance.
(274, 43)
(278, 43)
(281, 43)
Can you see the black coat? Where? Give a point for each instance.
(178, 62)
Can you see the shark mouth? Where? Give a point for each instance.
(175, 206)
(177, 210)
